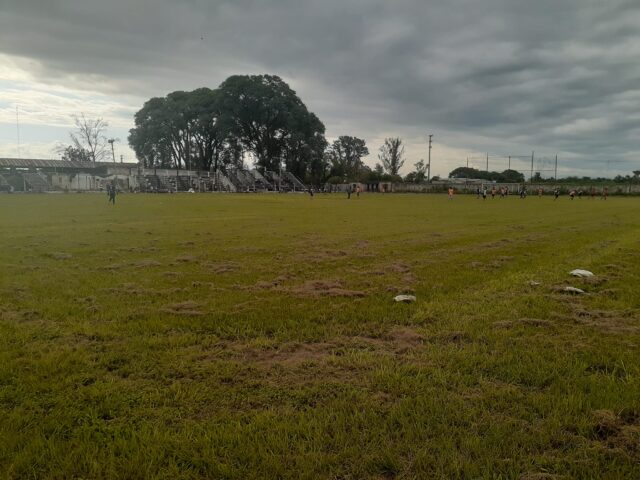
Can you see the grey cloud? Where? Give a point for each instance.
(558, 75)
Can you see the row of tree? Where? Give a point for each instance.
(259, 116)
(513, 176)
(508, 176)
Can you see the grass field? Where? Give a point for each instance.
(232, 336)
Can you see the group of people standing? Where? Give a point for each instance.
(351, 190)
(522, 192)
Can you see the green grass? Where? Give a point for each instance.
(232, 336)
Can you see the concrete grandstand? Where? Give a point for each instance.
(41, 175)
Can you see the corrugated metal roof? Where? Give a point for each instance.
(44, 163)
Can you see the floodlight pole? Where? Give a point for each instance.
(18, 131)
(531, 176)
(555, 175)
(429, 165)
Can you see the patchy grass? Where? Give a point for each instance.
(232, 336)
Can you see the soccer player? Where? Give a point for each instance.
(111, 190)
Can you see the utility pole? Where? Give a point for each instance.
(467, 162)
(555, 175)
(113, 152)
(531, 176)
(509, 162)
(487, 161)
(429, 166)
(18, 130)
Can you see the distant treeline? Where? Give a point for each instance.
(513, 176)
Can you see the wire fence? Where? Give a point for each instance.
(531, 166)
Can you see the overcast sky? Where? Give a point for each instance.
(506, 77)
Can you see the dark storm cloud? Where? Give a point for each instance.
(554, 75)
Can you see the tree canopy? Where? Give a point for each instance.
(511, 176)
(89, 137)
(392, 155)
(346, 155)
(209, 129)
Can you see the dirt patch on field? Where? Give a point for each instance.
(138, 249)
(534, 322)
(220, 268)
(488, 266)
(398, 290)
(506, 324)
(130, 289)
(113, 267)
(59, 255)
(171, 274)
(328, 288)
(399, 268)
(455, 337)
(188, 308)
(289, 354)
(148, 262)
(397, 341)
(612, 267)
(404, 339)
(323, 256)
(608, 321)
(531, 322)
(540, 476)
(593, 281)
(19, 316)
(86, 300)
(489, 245)
(610, 292)
(276, 283)
(185, 259)
(618, 431)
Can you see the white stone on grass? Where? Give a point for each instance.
(581, 273)
(405, 298)
(573, 290)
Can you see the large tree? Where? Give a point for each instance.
(346, 156)
(268, 118)
(207, 134)
(89, 136)
(392, 155)
(419, 174)
(208, 129)
(73, 154)
(153, 138)
(303, 151)
(181, 130)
